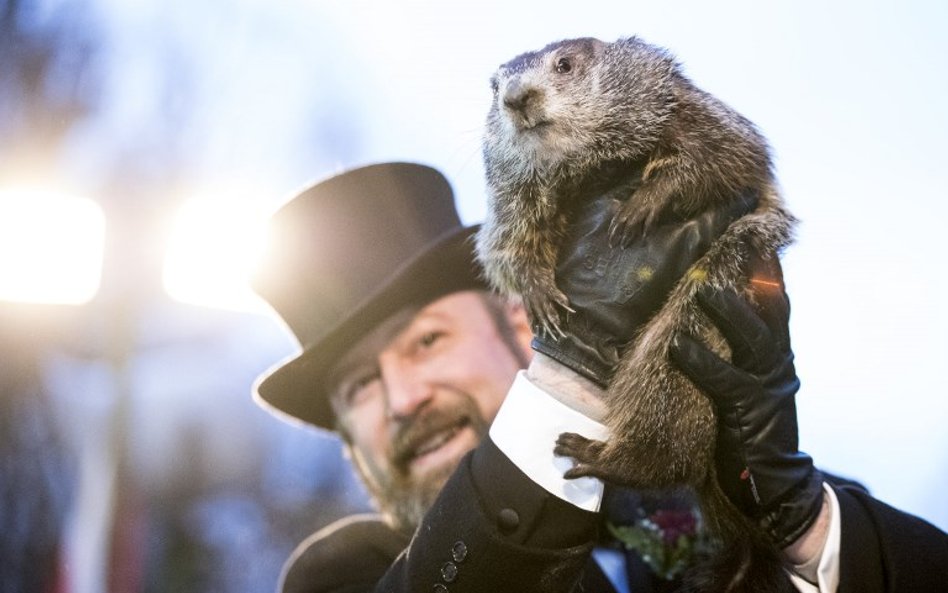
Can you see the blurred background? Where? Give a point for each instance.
(143, 143)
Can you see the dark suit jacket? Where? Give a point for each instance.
(492, 530)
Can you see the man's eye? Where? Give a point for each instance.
(357, 390)
(429, 339)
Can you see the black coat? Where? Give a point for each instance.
(493, 530)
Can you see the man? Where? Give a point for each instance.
(415, 364)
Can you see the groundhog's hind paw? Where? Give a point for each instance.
(583, 470)
(583, 450)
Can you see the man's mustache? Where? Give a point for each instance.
(413, 432)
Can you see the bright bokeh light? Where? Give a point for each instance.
(213, 246)
(51, 247)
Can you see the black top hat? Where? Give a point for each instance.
(345, 254)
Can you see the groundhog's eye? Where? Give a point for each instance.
(563, 65)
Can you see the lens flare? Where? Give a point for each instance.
(213, 247)
(51, 247)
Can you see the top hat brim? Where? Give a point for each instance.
(295, 388)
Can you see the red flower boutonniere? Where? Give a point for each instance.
(666, 540)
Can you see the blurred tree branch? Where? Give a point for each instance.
(47, 79)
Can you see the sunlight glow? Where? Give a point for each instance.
(214, 244)
(51, 247)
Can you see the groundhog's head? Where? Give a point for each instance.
(579, 101)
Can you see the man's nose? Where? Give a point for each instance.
(406, 391)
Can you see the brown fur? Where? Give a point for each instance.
(582, 115)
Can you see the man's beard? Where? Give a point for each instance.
(403, 498)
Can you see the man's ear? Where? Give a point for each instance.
(517, 315)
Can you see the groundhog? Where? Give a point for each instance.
(583, 116)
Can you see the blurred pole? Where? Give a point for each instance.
(125, 550)
(107, 540)
(101, 442)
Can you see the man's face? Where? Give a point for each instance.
(420, 391)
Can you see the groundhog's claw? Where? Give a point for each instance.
(542, 308)
(570, 444)
(543, 315)
(636, 216)
(580, 470)
(584, 451)
(628, 226)
(622, 230)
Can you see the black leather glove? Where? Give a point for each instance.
(615, 290)
(759, 466)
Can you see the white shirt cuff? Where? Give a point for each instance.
(526, 428)
(828, 572)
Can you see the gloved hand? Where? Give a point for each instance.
(759, 466)
(615, 290)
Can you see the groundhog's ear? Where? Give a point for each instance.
(598, 46)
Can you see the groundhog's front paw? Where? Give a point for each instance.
(629, 225)
(635, 218)
(584, 451)
(543, 308)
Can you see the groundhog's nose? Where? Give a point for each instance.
(519, 96)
